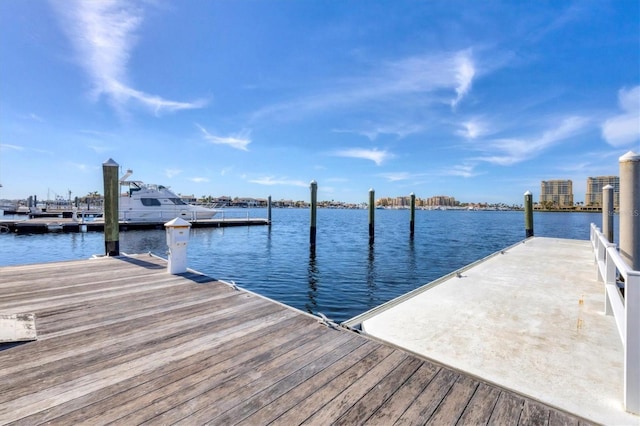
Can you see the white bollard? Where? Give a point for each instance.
(177, 240)
(629, 241)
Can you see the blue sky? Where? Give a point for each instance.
(480, 100)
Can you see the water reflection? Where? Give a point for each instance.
(313, 277)
(371, 274)
(411, 259)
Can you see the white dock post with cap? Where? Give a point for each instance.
(177, 240)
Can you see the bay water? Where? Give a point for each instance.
(345, 275)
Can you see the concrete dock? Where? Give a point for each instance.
(530, 319)
(121, 341)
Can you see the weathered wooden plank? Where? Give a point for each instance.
(192, 393)
(455, 401)
(93, 338)
(428, 401)
(307, 372)
(57, 324)
(398, 403)
(329, 391)
(480, 408)
(507, 410)
(59, 273)
(108, 309)
(360, 412)
(244, 386)
(558, 418)
(338, 406)
(138, 391)
(86, 297)
(114, 352)
(268, 413)
(46, 292)
(63, 392)
(534, 413)
(17, 328)
(84, 272)
(15, 273)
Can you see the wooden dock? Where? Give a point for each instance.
(121, 340)
(43, 225)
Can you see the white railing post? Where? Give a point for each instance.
(608, 276)
(632, 343)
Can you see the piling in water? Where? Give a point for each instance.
(111, 199)
(630, 209)
(607, 212)
(372, 210)
(412, 218)
(314, 205)
(528, 214)
(269, 210)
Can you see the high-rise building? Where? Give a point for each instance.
(593, 196)
(559, 193)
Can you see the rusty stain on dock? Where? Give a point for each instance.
(121, 340)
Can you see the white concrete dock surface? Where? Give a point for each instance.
(530, 319)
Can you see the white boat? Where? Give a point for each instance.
(156, 203)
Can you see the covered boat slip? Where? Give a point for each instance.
(121, 340)
(531, 319)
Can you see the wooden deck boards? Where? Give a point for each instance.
(121, 341)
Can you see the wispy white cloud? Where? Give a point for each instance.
(462, 170)
(510, 151)
(238, 141)
(9, 147)
(375, 155)
(199, 179)
(624, 129)
(32, 116)
(401, 130)
(472, 129)
(391, 82)
(172, 172)
(97, 133)
(397, 176)
(99, 149)
(82, 167)
(270, 181)
(464, 73)
(103, 34)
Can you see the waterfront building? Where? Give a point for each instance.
(556, 193)
(593, 196)
(441, 200)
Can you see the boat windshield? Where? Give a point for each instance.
(177, 201)
(149, 202)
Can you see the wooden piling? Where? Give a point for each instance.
(111, 199)
(372, 209)
(607, 212)
(314, 202)
(412, 218)
(528, 214)
(269, 210)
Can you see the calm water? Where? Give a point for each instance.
(346, 276)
